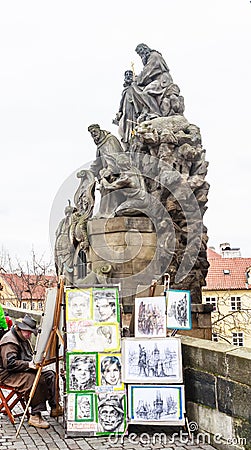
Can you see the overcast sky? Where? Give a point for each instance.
(62, 65)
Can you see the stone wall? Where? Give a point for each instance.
(218, 391)
(17, 313)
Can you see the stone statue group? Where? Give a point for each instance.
(150, 94)
(157, 169)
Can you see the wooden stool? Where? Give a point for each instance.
(9, 398)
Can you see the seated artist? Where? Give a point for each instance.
(18, 370)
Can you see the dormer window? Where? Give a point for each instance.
(226, 271)
(248, 275)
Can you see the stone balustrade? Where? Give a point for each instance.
(218, 391)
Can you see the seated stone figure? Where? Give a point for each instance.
(152, 93)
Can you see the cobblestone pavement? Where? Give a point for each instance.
(138, 437)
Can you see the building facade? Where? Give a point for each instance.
(24, 291)
(228, 290)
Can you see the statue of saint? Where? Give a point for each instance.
(108, 147)
(126, 117)
(126, 193)
(151, 94)
(104, 167)
(64, 248)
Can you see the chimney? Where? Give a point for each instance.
(227, 252)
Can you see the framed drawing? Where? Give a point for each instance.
(110, 370)
(81, 371)
(156, 404)
(178, 309)
(111, 413)
(99, 337)
(150, 317)
(106, 305)
(85, 407)
(81, 414)
(151, 361)
(78, 304)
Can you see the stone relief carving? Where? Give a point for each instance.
(84, 200)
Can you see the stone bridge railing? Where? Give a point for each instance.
(218, 392)
(16, 313)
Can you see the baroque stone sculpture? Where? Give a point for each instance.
(157, 172)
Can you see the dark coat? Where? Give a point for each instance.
(15, 355)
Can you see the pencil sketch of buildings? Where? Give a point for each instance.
(156, 409)
(178, 310)
(156, 403)
(152, 361)
(150, 316)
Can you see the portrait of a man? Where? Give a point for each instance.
(105, 306)
(111, 413)
(84, 407)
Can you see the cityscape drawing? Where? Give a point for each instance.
(151, 361)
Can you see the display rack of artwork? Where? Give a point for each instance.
(95, 395)
(153, 361)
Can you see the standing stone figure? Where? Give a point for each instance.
(104, 166)
(126, 117)
(64, 248)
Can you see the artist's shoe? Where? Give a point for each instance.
(37, 421)
(57, 411)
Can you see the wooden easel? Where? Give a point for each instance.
(51, 348)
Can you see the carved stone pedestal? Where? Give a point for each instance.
(129, 245)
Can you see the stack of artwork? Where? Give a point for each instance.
(96, 400)
(152, 362)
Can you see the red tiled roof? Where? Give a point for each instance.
(235, 279)
(29, 286)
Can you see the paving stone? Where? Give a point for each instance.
(207, 447)
(32, 447)
(54, 438)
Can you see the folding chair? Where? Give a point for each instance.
(9, 398)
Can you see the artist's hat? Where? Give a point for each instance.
(114, 400)
(27, 323)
